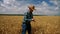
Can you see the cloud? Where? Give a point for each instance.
(45, 9)
(20, 6)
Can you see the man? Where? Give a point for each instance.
(28, 17)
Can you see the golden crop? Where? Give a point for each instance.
(42, 25)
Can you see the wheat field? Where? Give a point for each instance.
(42, 25)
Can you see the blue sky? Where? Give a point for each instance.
(38, 1)
(43, 7)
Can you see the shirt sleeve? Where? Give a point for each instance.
(25, 17)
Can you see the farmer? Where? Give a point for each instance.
(28, 17)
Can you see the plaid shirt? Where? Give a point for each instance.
(27, 17)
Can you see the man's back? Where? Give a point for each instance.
(27, 17)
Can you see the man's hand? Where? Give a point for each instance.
(33, 20)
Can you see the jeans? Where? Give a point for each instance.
(26, 27)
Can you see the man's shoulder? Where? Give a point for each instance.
(26, 12)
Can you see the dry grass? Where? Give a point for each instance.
(43, 25)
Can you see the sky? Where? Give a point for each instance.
(43, 7)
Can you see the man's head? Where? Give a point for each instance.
(31, 8)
